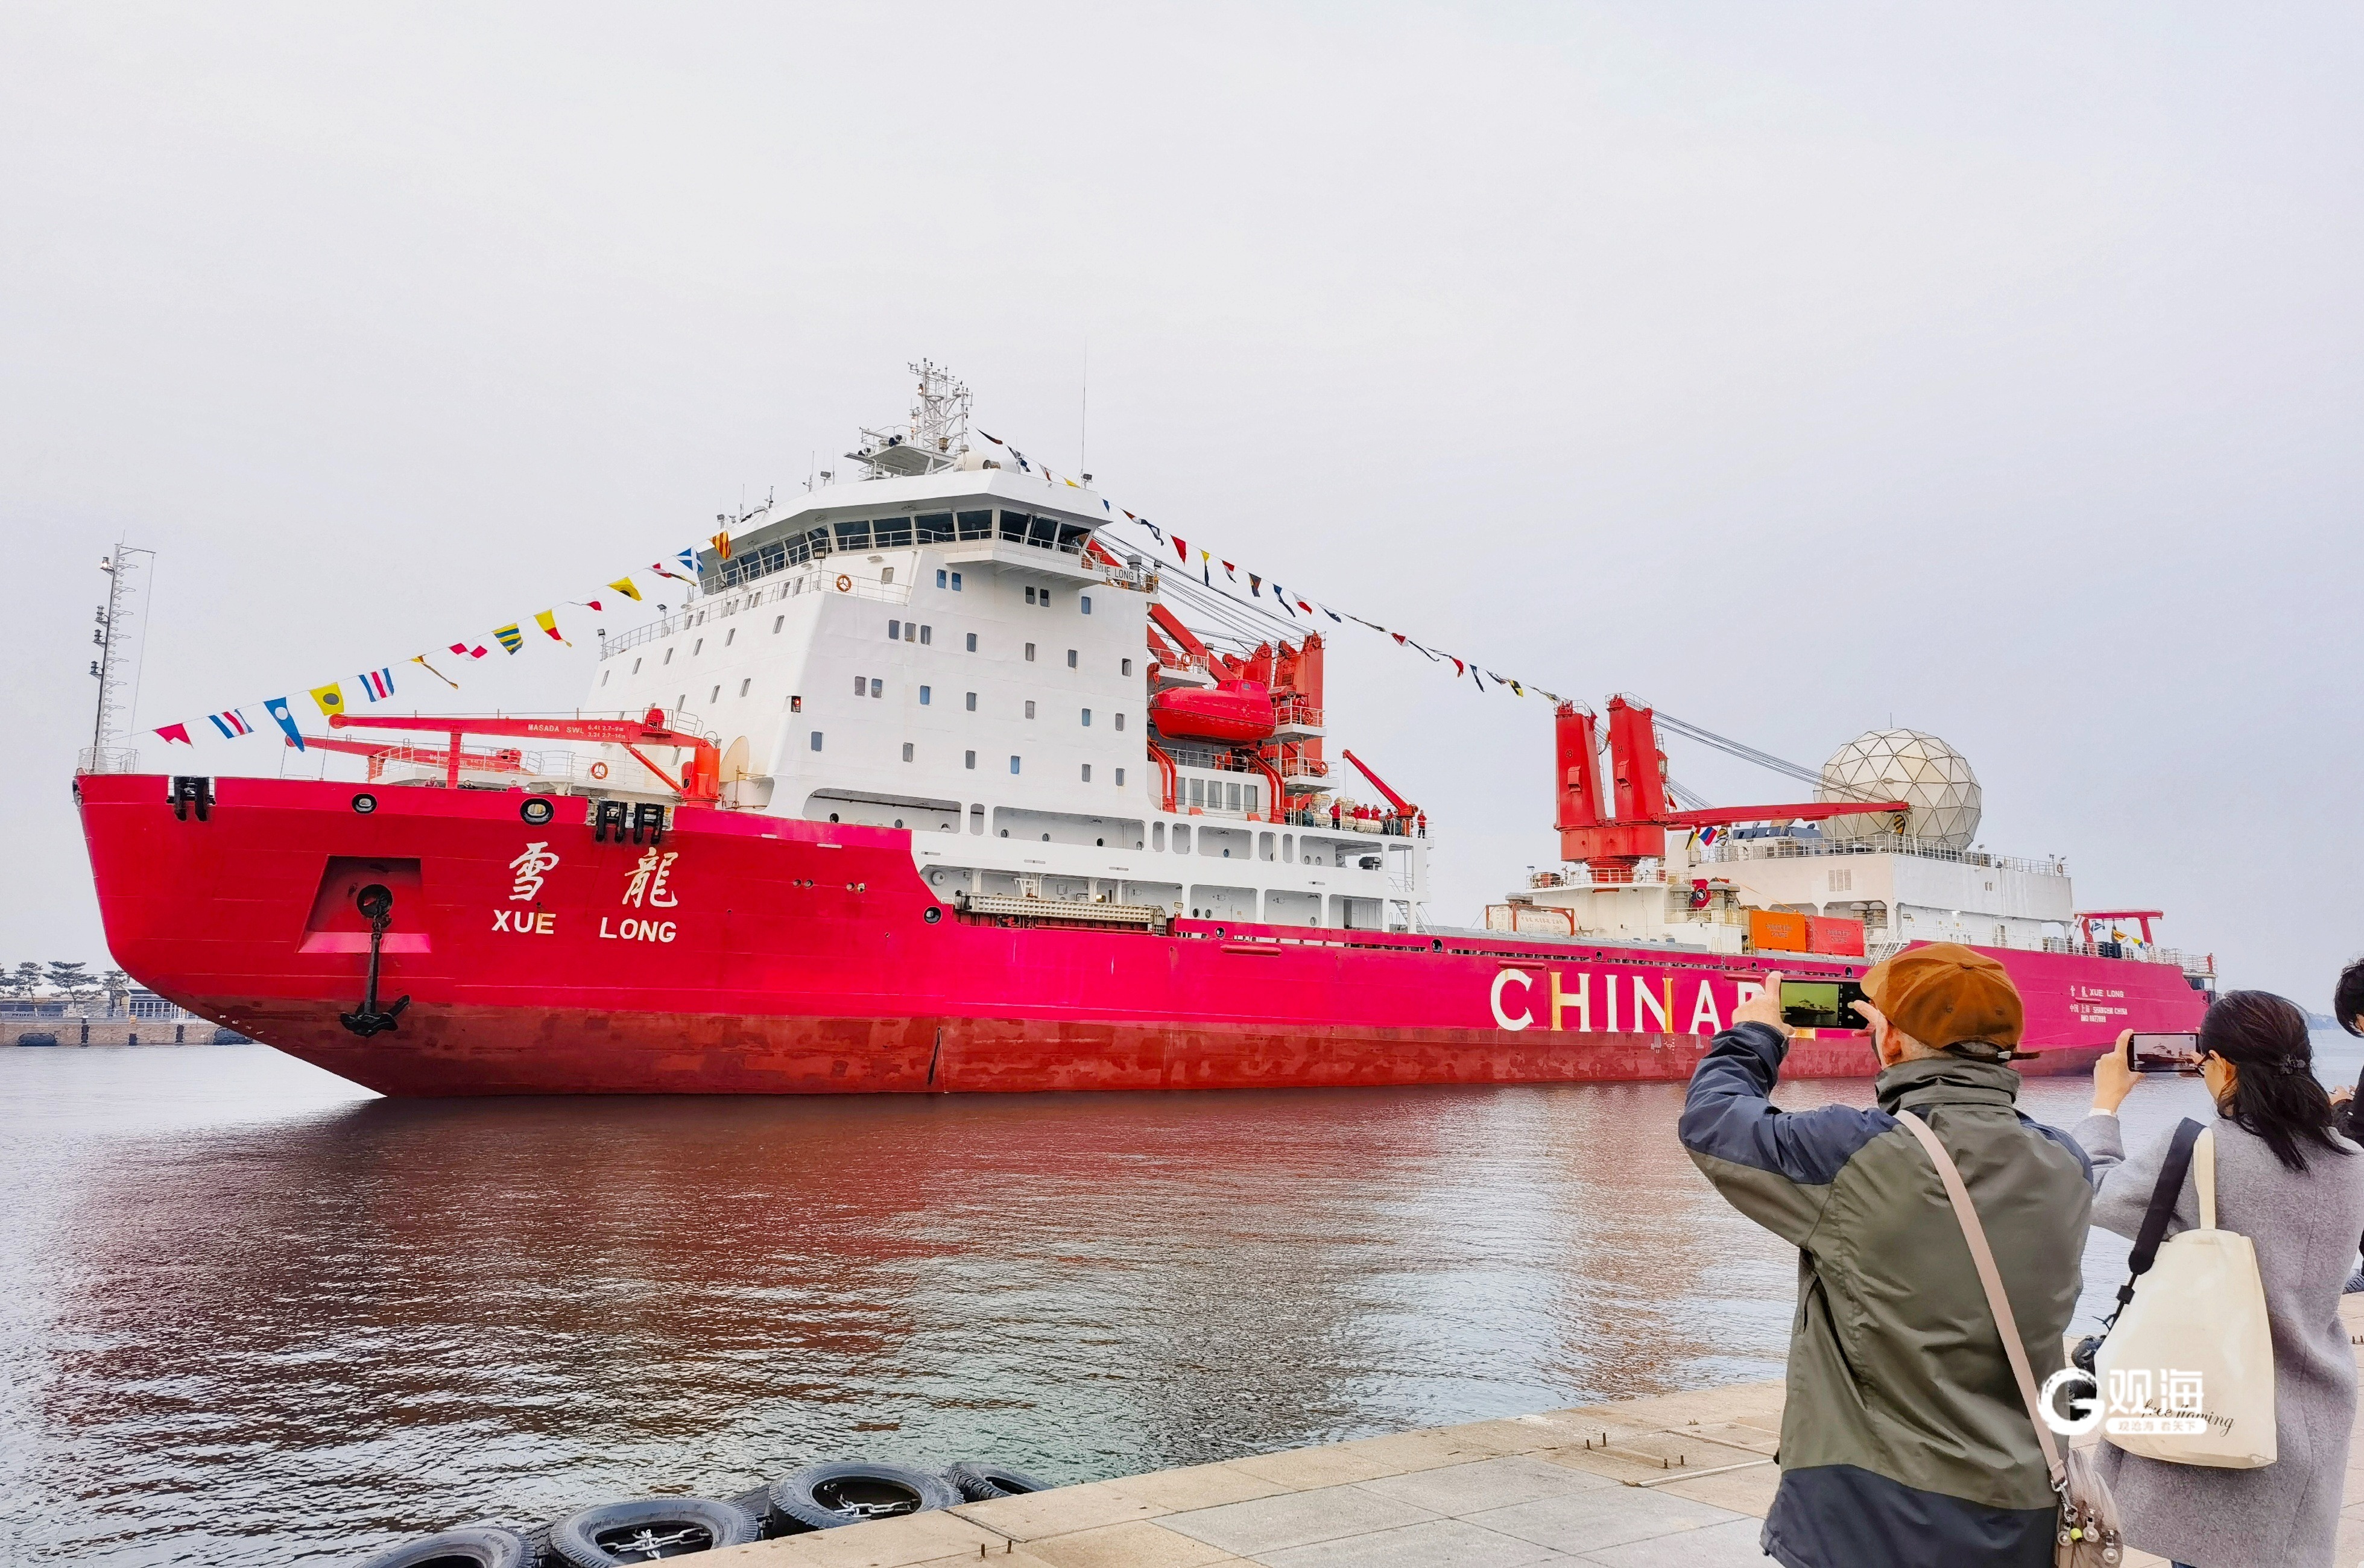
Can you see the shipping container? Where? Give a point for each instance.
(1840, 938)
(1777, 931)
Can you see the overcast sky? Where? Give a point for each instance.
(1991, 371)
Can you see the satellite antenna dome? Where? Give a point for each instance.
(1907, 765)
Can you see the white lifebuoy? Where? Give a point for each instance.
(845, 583)
(599, 770)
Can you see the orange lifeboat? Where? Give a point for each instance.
(1234, 710)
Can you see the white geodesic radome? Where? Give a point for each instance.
(1904, 764)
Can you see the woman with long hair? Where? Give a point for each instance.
(2288, 1179)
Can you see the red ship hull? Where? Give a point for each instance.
(752, 954)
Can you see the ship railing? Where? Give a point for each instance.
(2190, 962)
(106, 760)
(1874, 844)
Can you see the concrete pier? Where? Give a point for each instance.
(1681, 1481)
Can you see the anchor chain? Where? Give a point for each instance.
(376, 904)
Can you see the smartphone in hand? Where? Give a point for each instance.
(2177, 1053)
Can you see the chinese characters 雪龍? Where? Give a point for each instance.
(530, 868)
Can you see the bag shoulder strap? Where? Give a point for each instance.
(2163, 1193)
(2203, 1176)
(1991, 1278)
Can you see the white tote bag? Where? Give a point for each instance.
(2193, 1346)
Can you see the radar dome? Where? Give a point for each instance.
(1903, 764)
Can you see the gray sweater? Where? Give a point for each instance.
(2303, 1226)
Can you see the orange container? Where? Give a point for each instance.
(1777, 931)
(1839, 938)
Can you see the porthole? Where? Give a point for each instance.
(932, 914)
(536, 811)
(364, 804)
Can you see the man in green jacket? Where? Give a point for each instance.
(1904, 1443)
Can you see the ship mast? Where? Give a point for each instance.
(937, 435)
(121, 644)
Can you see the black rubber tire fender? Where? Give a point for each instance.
(642, 1529)
(979, 1479)
(478, 1546)
(847, 1492)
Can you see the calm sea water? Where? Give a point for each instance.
(258, 1317)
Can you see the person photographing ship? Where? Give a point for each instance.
(1905, 1439)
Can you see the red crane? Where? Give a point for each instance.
(1634, 826)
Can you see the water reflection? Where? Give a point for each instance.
(261, 1322)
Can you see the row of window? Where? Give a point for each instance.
(898, 630)
(1218, 794)
(968, 760)
(899, 533)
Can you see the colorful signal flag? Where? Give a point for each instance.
(331, 698)
(278, 708)
(232, 723)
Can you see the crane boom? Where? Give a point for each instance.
(1403, 807)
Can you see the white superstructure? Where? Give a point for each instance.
(949, 651)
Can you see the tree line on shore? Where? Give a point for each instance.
(59, 980)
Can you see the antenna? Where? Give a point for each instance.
(122, 637)
(937, 436)
(1083, 420)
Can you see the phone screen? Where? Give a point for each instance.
(2166, 1052)
(1820, 1003)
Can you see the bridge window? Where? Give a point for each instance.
(934, 528)
(1013, 527)
(977, 525)
(889, 533)
(854, 536)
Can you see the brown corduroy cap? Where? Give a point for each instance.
(1945, 993)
